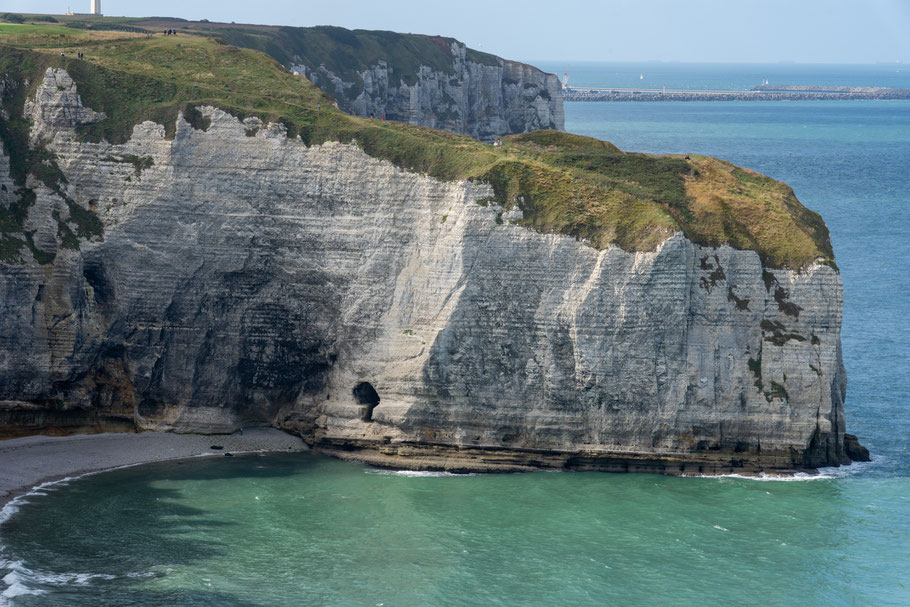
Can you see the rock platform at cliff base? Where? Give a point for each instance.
(30, 461)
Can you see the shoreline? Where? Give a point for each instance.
(30, 461)
(492, 460)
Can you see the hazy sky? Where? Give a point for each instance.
(832, 31)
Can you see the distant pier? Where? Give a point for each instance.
(759, 93)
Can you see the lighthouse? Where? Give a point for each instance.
(96, 7)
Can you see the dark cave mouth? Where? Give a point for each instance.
(367, 396)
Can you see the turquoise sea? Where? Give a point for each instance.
(308, 530)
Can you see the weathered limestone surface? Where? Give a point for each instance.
(58, 103)
(253, 280)
(484, 101)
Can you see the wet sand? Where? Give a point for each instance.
(31, 460)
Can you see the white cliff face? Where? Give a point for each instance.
(253, 280)
(484, 101)
(57, 104)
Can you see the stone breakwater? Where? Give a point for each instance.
(387, 316)
(757, 94)
(483, 101)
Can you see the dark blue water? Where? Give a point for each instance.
(725, 76)
(847, 160)
(310, 530)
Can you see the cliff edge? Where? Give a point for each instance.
(198, 250)
(432, 81)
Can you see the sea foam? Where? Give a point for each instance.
(823, 474)
(20, 580)
(413, 473)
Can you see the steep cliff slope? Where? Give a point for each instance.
(428, 80)
(431, 81)
(211, 245)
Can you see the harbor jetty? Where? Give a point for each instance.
(763, 92)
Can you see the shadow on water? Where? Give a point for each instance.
(144, 598)
(341, 533)
(124, 526)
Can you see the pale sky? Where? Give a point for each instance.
(802, 31)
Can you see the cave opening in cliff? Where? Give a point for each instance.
(366, 395)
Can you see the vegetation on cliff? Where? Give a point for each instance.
(563, 183)
(343, 52)
(347, 53)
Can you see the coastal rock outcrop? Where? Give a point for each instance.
(484, 100)
(240, 277)
(433, 81)
(58, 105)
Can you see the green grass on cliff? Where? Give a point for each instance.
(347, 53)
(565, 184)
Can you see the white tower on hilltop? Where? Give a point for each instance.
(96, 7)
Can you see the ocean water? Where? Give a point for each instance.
(724, 76)
(308, 530)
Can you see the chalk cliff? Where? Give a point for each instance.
(484, 100)
(230, 276)
(432, 81)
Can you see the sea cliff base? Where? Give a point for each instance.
(466, 460)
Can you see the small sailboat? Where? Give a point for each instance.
(641, 76)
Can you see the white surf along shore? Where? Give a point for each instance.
(27, 462)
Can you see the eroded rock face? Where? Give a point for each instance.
(250, 280)
(58, 105)
(483, 101)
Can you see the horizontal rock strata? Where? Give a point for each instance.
(476, 99)
(252, 280)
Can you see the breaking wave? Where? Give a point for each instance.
(414, 473)
(823, 474)
(20, 580)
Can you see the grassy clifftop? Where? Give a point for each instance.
(564, 183)
(345, 53)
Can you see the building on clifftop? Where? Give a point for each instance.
(94, 10)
